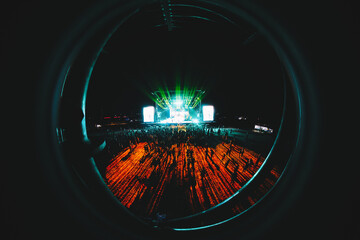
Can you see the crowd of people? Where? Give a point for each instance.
(162, 138)
(166, 136)
(162, 145)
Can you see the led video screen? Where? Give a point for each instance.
(149, 114)
(208, 113)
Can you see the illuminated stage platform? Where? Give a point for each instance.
(178, 107)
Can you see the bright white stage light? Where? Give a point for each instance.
(178, 102)
(149, 114)
(208, 113)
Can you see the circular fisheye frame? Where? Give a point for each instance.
(178, 158)
(186, 118)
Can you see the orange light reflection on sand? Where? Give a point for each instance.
(207, 180)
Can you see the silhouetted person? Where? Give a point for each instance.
(234, 174)
(241, 153)
(249, 162)
(227, 163)
(258, 160)
(230, 148)
(223, 157)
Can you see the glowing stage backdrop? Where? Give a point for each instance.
(178, 107)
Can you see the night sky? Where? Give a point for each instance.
(238, 79)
